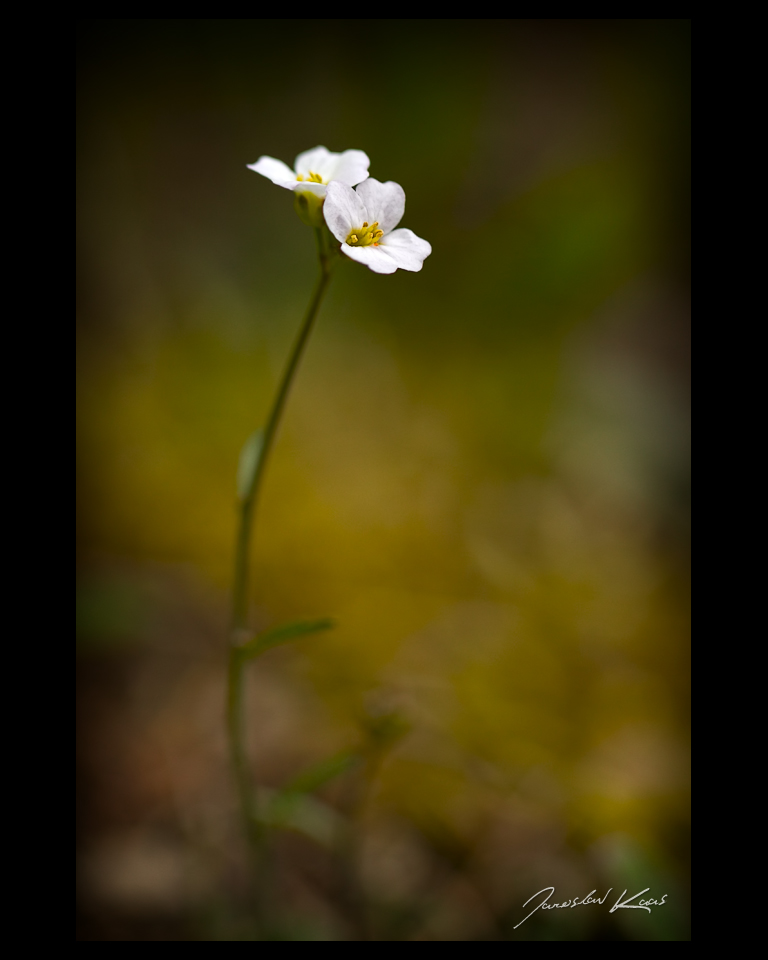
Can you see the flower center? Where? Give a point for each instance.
(366, 235)
(311, 178)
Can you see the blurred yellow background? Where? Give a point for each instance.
(482, 474)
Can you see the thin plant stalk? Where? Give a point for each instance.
(248, 503)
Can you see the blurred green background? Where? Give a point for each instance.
(482, 477)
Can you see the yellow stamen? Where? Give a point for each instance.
(366, 236)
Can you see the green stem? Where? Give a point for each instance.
(234, 729)
(248, 503)
(235, 717)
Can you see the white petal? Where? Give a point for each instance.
(275, 170)
(384, 202)
(373, 257)
(406, 249)
(343, 210)
(317, 160)
(309, 186)
(351, 167)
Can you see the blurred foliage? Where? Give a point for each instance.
(482, 477)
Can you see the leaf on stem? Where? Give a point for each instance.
(323, 772)
(276, 636)
(299, 812)
(292, 808)
(250, 456)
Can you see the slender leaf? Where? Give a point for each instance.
(300, 812)
(321, 773)
(279, 635)
(250, 456)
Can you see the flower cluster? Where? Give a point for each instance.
(363, 219)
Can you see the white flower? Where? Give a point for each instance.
(364, 221)
(315, 169)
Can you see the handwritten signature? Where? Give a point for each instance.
(620, 904)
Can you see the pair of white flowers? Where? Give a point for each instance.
(363, 219)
